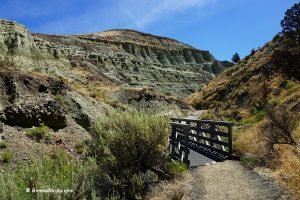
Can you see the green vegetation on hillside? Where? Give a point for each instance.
(130, 148)
(57, 172)
(127, 152)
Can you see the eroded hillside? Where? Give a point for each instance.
(116, 56)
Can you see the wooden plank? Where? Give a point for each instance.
(179, 124)
(230, 139)
(209, 147)
(220, 133)
(210, 139)
(186, 144)
(221, 123)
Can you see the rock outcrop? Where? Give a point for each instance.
(31, 99)
(118, 56)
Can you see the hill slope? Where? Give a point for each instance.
(116, 56)
(269, 76)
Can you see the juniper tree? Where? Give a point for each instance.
(291, 22)
(236, 58)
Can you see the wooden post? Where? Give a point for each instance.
(186, 145)
(173, 138)
(230, 139)
(212, 129)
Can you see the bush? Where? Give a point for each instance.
(127, 144)
(3, 144)
(56, 172)
(287, 62)
(287, 84)
(39, 133)
(136, 69)
(279, 128)
(207, 116)
(176, 168)
(81, 147)
(6, 156)
(256, 117)
(273, 102)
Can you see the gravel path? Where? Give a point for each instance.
(231, 180)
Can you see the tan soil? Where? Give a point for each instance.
(228, 180)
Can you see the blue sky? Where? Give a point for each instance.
(221, 26)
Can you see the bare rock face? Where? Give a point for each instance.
(31, 99)
(119, 56)
(84, 110)
(15, 38)
(50, 113)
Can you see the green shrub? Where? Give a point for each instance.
(249, 160)
(136, 69)
(39, 133)
(3, 144)
(273, 102)
(253, 110)
(176, 168)
(126, 144)
(58, 171)
(80, 147)
(207, 116)
(137, 186)
(256, 117)
(168, 93)
(287, 84)
(6, 156)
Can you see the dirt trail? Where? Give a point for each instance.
(228, 180)
(231, 180)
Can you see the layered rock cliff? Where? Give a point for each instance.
(116, 56)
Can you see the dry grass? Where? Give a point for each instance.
(297, 134)
(81, 71)
(248, 141)
(98, 91)
(288, 172)
(285, 165)
(176, 189)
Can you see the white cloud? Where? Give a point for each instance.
(145, 12)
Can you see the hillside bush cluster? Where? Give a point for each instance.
(39, 133)
(57, 171)
(279, 127)
(130, 148)
(287, 62)
(127, 152)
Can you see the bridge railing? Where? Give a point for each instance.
(208, 137)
